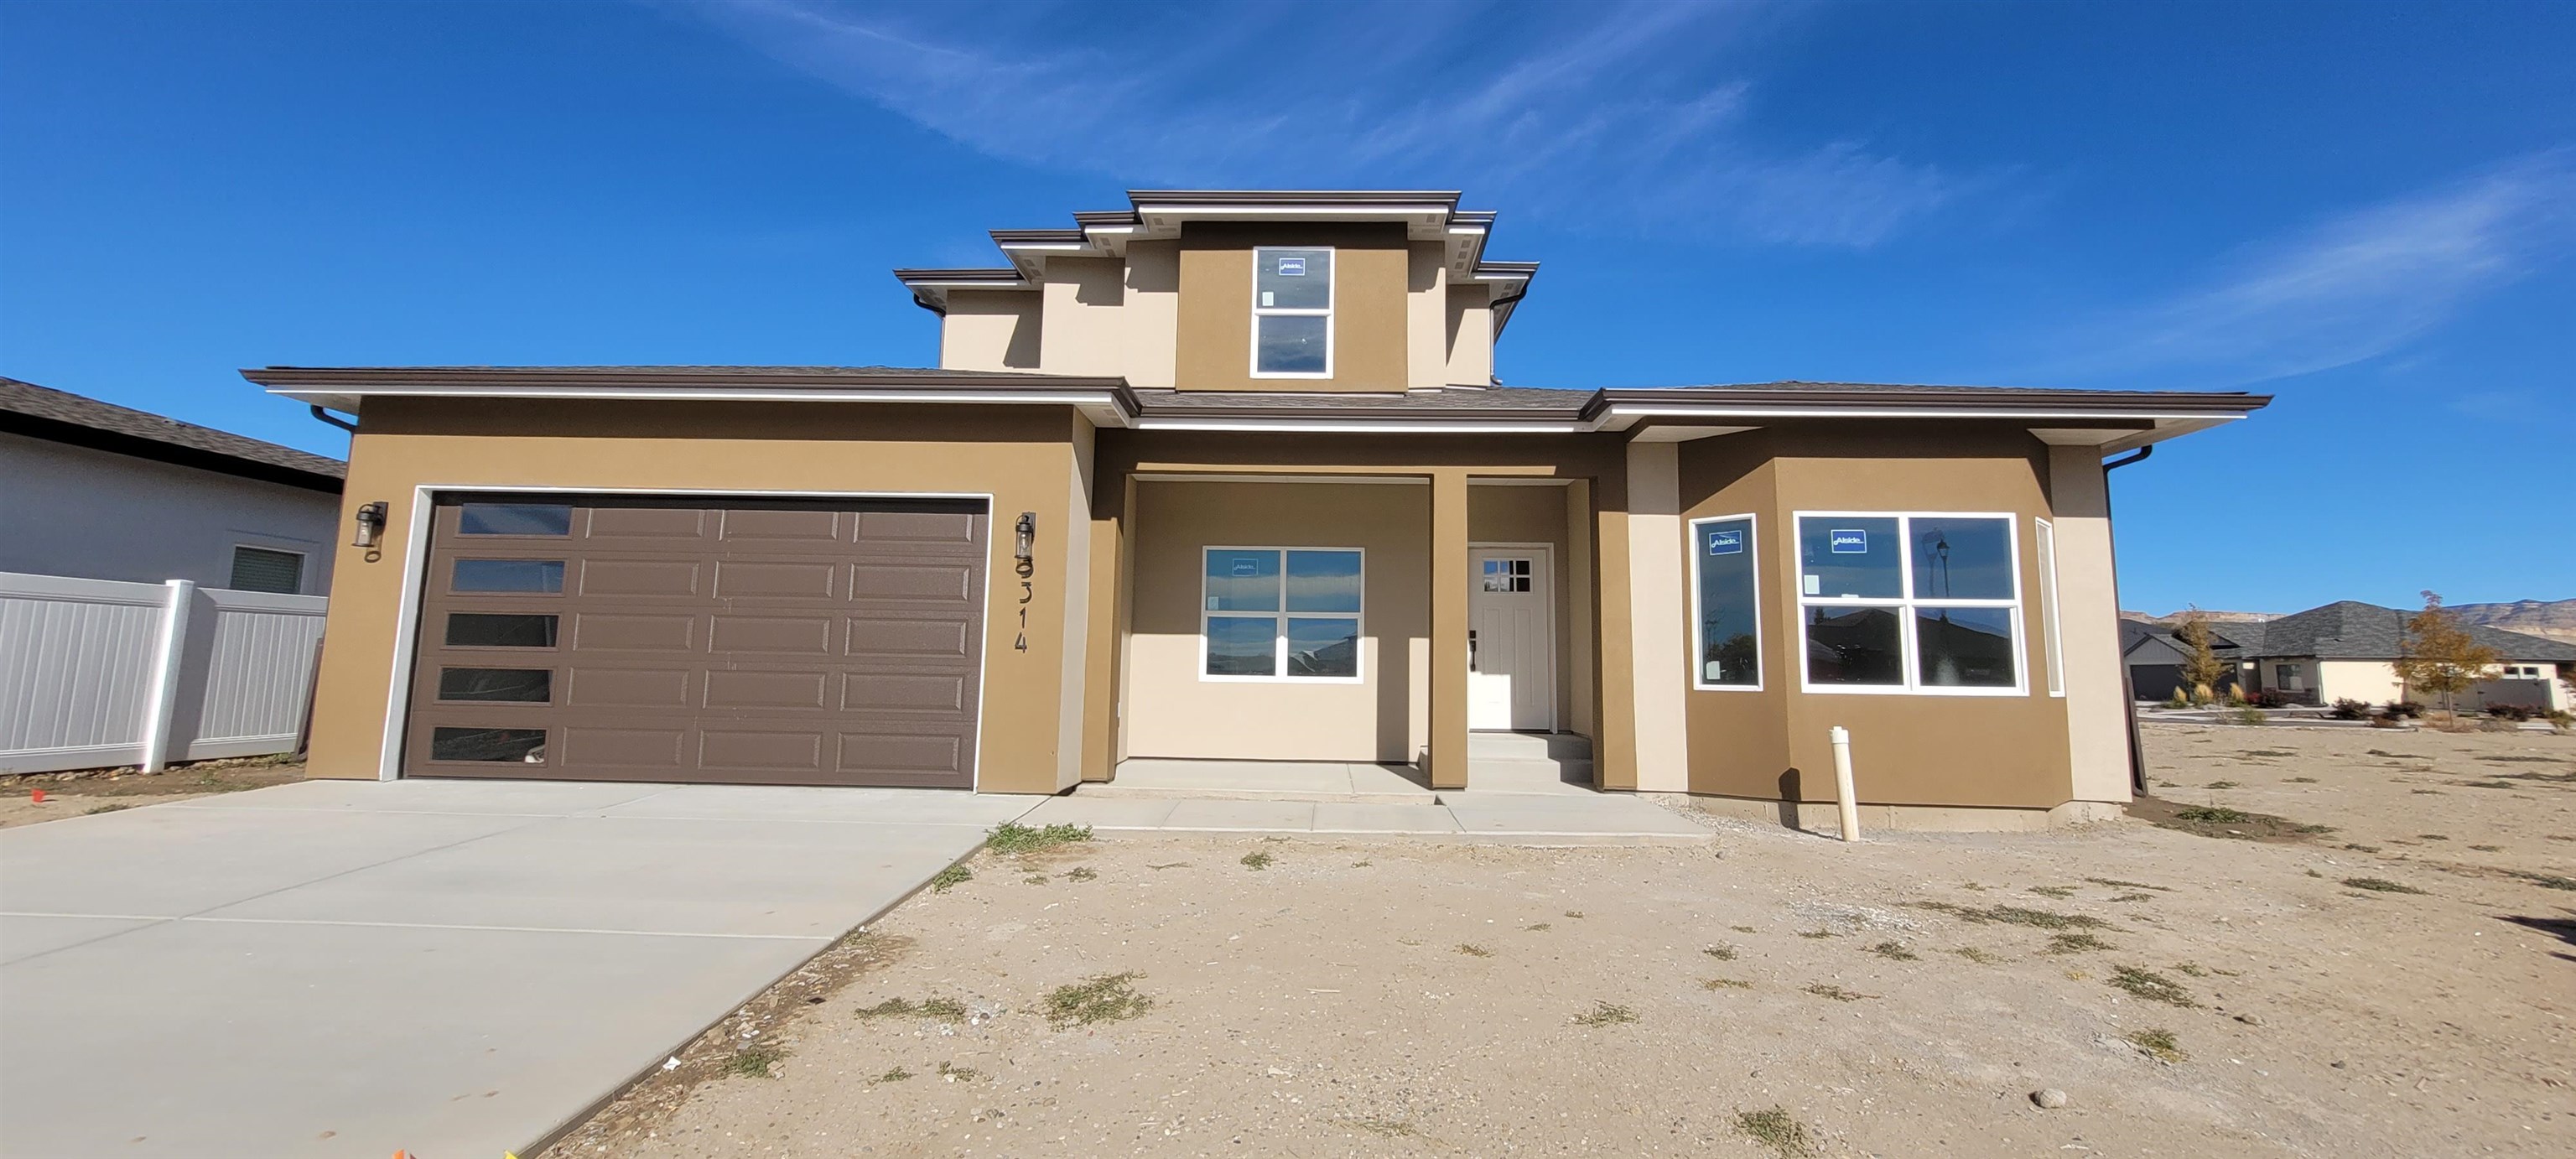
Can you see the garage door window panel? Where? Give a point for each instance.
(505, 685)
(525, 746)
(516, 576)
(501, 630)
(524, 519)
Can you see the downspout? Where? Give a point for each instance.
(1497, 304)
(2128, 691)
(328, 417)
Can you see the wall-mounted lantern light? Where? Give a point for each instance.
(371, 524)
(1028, 533)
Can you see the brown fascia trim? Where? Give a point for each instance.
(1038, 237)
(1000, 275)
(2002, 401)
(1480, 416)
(135, 446)
(498, 380)
(1143, 197)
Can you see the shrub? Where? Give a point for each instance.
(2270, 698)
(2179, 699)
(2402, 709)
(2246, 714)
(2513, 712)
(2561, 719)
(2349, 709)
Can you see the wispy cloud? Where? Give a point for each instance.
(2351, 288)
(1619, 112)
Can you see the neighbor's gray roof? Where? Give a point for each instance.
(2153, 643)
(2351, 630)
(63, 417)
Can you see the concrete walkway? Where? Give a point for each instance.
(453, 968)
(1551, 818)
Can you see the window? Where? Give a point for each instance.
(513, 745)
(1292, 312)
(1909, 603)
(2045, 542)
(1725, 612)
(1272, 613)
(519, 685)
(1507, 575)
(507, 575)
(259, 569)
(514, 519)
(496, 630)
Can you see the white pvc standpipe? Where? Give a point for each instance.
(1843, 802)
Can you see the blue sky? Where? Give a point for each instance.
(2368, 210)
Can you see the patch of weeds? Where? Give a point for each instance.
(2431, 837)
(1776, 1129)
(1895, 952)
(950, 878)
(2213, 815)
(1013, 837)
(2488, 848)
(2060, 892)
(2077, 944)
(1473, 950)
(1361, 864)
(1169, 865)
(103, 809)
(1726, 984)
(1081, 873)
(753, 1062)
(1722, 952)
(1257, 860)
(2220, 785)
(2013, 915)
(944, 1009)
(1574, 913)
(1035, 879)
(2547, 880)
(1837, 993)
(1605, 1014)
(2269, 753)
(896, 1075)
(2488, 784)
(2358, 848)
(2191, 969)
(2314, 873)
(1972, 887)
(1978, 956)
(1384, 1128)
(2426, 792)
(2152, 986)
(2116, 883)
(2135, 897)
(1104, 998)
(2379, 885)
(2380, 753)
(2158, 1042)
(959, 1074)
(1536, 928)
(1743, 929)
(1816, 933)
(2303, 780)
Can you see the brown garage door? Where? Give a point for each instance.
(747, 641)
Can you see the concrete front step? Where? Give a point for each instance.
(1563, 746)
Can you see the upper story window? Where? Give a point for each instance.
(1292, 312)
(1919, 603)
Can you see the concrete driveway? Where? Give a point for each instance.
(453, 968)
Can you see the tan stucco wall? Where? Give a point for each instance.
(1516, 513)
(1086, 324)
(1471, 336)
(991, 330)
(2088, 624)
(1153, 312)
(1025, 457)
(2000, 751)
(1426, 316)
(1659, 649)
(1171, 712)
(2372, 680)
(1370, 329)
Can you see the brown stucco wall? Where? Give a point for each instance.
(1025, 457)
(2008, 751)
(1370, 276)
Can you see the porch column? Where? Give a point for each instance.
(1102, 686)
(1446, 762)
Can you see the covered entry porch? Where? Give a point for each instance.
(1342, 630)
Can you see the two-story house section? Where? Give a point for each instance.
(1225, 476)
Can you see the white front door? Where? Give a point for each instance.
(1511, 664)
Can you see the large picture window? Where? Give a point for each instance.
(1927, 603)
(1292, 312)
(1280, 613)
(1725, 611)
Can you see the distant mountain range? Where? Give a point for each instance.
(2551, 619)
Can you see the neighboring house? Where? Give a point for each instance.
(92, 490)
(2345, 650)
(2155, 655)
(1223, 475)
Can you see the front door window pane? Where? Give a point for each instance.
(1962, 559)
(1964, 647)
(1242, 645)
(1854, 646)
(1850, 556)
(1323, 646)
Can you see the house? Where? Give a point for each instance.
(1225, 476)
(2345, 651)
(92, 490)
(2155, 655)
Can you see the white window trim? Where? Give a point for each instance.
(1910, 661)
(2044, 543)
(1332, 299)
(1699, 647)
(303, 564)
(1279, 636)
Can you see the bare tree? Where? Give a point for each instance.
(2436, 654)
(2201, 667)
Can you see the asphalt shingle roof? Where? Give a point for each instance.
(2351, 630)
(62, 416)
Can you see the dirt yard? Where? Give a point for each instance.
(76, 794)
(2385, 967)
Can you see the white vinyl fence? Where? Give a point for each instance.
(96, 673)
